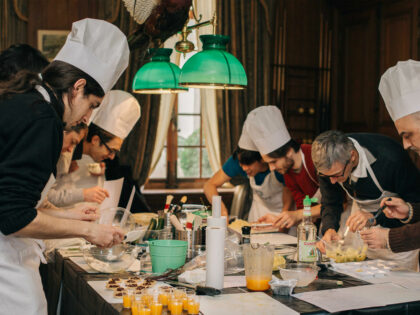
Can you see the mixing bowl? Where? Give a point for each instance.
(109, 260)
(304, 273)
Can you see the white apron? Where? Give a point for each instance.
(405, 259)
(267, 197)
(21, 290)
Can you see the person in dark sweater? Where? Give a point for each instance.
(368, 167)
(400, 90)
(34, 111)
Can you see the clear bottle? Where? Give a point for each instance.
(306, 234)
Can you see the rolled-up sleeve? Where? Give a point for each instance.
(331, 204)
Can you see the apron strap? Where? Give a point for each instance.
(306, 169)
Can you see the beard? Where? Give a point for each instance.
(414, 149)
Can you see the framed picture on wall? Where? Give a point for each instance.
(51, 41)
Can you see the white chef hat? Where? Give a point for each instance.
(245, 141)
(400, 89)
(118, 113)
(266, 128)
(99, 48)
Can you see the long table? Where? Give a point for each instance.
(78, 297)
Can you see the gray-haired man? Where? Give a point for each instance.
(368, 168)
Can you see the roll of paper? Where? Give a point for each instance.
(216, 206)
(215, 257)
(216, 222)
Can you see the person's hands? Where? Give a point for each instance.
(268, 218)
(358, 220)
(95, 194)
(396, 208)
(329, 236)
(73, 166)
(287, 219)
(376, 238)
(104, 235)
(83, 213)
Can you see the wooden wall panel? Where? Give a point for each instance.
(398, 42)
(57, 15)
(357, 71)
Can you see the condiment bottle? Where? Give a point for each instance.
(306, 234)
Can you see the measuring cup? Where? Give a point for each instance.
(258, 260)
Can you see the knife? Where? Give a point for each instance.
(200, 290)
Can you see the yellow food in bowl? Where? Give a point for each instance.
(238, 224)
(278, 262)
(347, 254)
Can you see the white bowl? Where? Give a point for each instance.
(304, 273)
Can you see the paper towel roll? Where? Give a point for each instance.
(216, 222)
(215, 257)
(216, 206)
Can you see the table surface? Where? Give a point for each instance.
(79, 298)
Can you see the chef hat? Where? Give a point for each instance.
(266, 127)
(98, 48)
(118, 113)
(400, 89)
(245, 142)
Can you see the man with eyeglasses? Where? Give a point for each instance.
(110, 125)
(368, 168)
(400, 90)
(268, 133)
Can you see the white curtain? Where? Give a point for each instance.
(208, 96)
(167, 102)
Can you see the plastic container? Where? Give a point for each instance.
(167, 254)
(258, 260)
(282, 287)
(304, 273)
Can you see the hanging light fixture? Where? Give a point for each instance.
(213, 67)
(159, 76)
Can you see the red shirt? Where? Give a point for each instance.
(301, 184)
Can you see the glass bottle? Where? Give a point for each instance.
(306, 234)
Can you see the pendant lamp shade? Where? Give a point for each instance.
(213, 67)
(159, 76)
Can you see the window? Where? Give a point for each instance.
(184, 161)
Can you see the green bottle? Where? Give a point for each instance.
(306, 234)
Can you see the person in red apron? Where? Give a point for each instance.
(400, 90)
(33, 112)
(368, 167)
(269, 195)
(284, 155)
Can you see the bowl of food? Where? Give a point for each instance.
(110, 260)
(340, 252)
(304, 273)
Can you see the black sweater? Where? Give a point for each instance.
(393, 169)
(31, 135)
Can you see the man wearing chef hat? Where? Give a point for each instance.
(268, 192)
(400, 89)
(111, 124)
(33, 112)
(369, 168)
(267, 129)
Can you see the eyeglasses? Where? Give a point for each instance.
(335, 176)
(111, 151)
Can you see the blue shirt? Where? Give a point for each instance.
(232, 169)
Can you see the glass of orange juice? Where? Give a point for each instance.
(163, 296)
(193, 305)
(156, 308)
(258, 260)
(176, 307)
(145, 311)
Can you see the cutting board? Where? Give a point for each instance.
(274, 238)
(243, 303)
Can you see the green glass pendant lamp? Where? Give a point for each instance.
(213, 67)
(159, 76)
